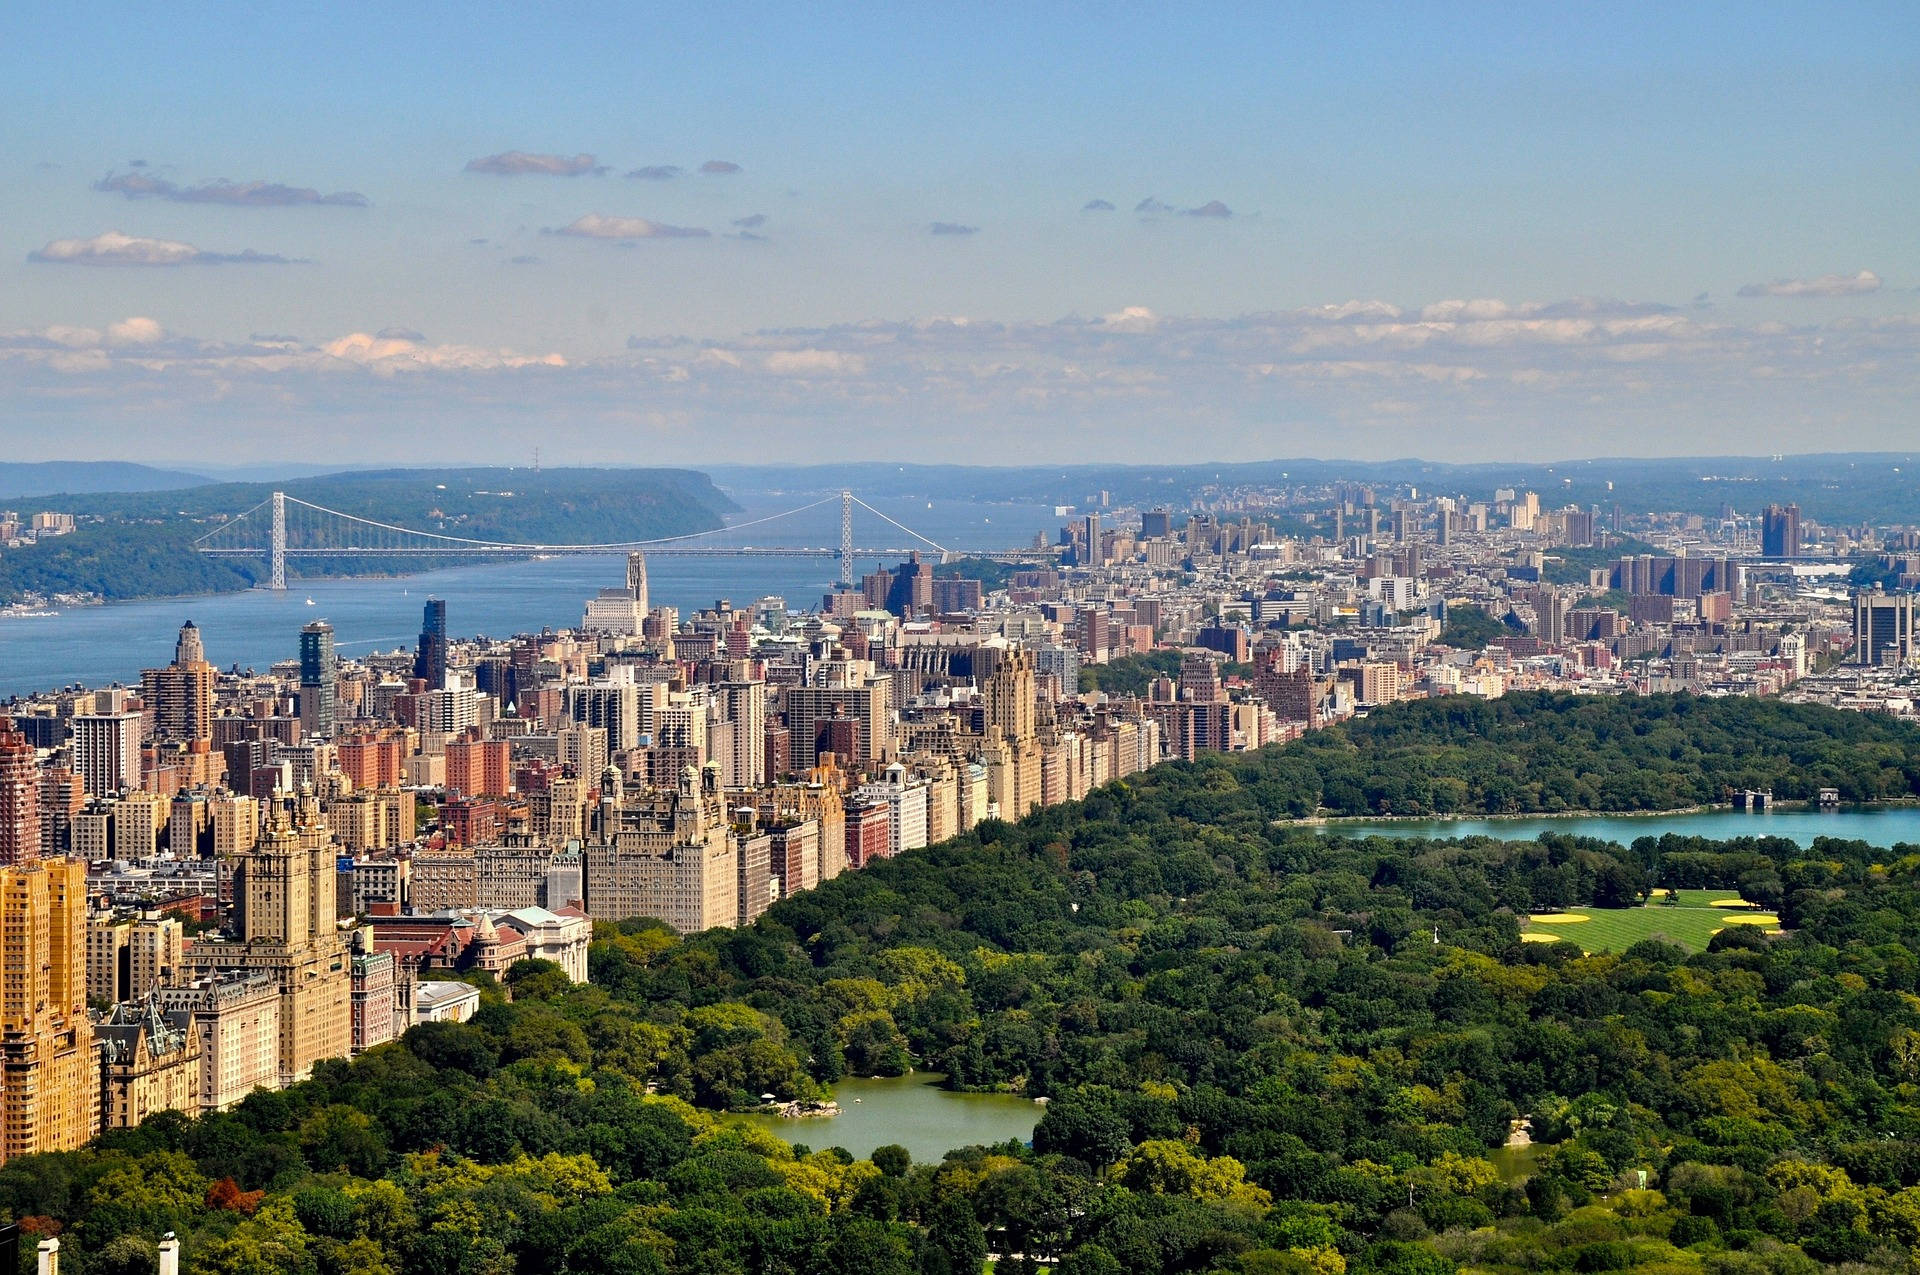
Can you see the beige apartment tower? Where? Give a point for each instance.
(49, 1070)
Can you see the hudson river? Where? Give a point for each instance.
(103, 644)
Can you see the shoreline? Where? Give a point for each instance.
(1778, 807)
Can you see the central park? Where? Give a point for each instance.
(1262, 1047)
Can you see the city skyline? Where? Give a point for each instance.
(1472, 233)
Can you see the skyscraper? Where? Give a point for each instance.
(621, 611)
(430, 656)
(106, 752)
(319, 678)
(1007, 695)
(19, 799)
(49, 1078)
(1780, 532)
(637, 578)
(181, 694)
(1883, 627)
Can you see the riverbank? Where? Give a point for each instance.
(1884, 824)
(1328, 821)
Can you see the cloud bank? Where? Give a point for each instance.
(1453, 379)
(598, 226)
(112, 248)
(533, 163)
(1827, 285)
(139, 185)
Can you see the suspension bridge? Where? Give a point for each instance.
(282, 527)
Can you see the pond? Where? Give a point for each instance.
(911, 1111)
(1876, 825)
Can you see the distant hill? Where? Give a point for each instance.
(18, 478)
(1829, 487)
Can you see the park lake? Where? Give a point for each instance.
(912, 1111)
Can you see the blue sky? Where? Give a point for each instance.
(1301, 195)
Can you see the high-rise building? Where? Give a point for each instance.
(1780, 531)
(1200, 679)
(19, 799)
(613, 707)
(910, 592)
(319, 680)
(129, 960)
(106, 751)
(1007, 694)
(430, 654)
(287, 926)
(1090, 533)
(743, 762)
(1883, 627)
(621, 611)
(866, 704)
(49, 1077)
(478, 767)
(181, 694)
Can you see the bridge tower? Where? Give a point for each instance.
(846, 536)
(279, 578)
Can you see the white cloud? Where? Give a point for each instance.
(386, 355)
(598, 226)
(113, 248)
(135, 331)
(1826, 285)
(1133, 318)
(815, 363)
(72, 338)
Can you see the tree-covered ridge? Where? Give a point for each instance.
(1265, 1049)
(122, 560)
(1552, 752)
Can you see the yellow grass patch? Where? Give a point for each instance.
(1730, 903)
(1754, 918)
(1560, 918)
(1537, 937)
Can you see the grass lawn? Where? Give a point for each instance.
(1690, 922)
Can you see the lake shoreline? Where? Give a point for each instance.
(1778, 807)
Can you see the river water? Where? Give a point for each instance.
(1876, 825)
(253, 629)
(912, 1112)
